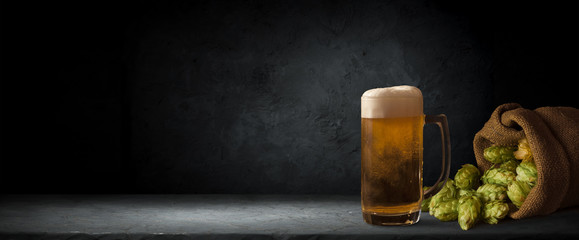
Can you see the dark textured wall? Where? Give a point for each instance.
(254, 97)
(259, 96)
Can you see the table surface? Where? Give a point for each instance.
(239, 216)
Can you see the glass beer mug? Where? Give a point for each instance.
(392, 122)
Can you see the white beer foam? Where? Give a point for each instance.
(398, 101)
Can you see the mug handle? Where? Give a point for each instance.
(440, 120)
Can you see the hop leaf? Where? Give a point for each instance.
(524, 151)
(494, 211)
(498, 176)
(448, 192)
(492, 192)
(467, 177)
(446, 211)
(499, 154)
(510, 165)
(518, 191)
(469, 211)
(527, 172)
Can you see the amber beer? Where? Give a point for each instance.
(391, 165)
(392, 128)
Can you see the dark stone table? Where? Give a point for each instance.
(240, 217)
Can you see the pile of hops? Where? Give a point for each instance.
(471, 197)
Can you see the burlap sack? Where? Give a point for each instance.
(553, 135)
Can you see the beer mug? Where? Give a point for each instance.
(392, 122)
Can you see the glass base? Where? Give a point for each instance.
(391, 220)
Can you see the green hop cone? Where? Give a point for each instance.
(510, 165)
(494, 211)
(445, 211)
(499, 154)
(492, 192)
(467, 177)
(524, 151)
(468, 192)
(498, 176)
(425, 205)
(517, 192)
(527, 172)
(448, 192)
(469, 211)
(425, 202)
